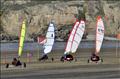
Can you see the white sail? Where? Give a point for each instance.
(78, 36)
(69, 42)
(75, 37)
(49, 39)
(99, 34)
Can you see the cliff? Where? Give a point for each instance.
(64, 12)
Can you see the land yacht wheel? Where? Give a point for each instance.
(7, 65)
(24, 64)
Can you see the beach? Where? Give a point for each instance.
(108, 69)
(32, 51)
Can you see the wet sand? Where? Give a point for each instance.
(81, 54)
(109, 69)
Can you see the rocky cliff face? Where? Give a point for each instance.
(38, 14)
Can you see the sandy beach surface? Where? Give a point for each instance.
(81, 69)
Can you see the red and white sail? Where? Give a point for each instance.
(99, 34)
(70, 39)
(41, 40)
(75, 37)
